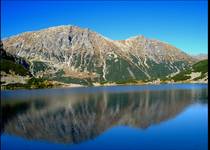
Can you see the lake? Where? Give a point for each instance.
(148, 117)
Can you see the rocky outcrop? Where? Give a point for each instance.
(13, 69)
(13, 58)
(65, 52)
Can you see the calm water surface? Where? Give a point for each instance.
(151, 117)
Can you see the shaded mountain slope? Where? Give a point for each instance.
(198, 72)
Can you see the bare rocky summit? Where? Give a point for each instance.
(200, 57)
(74, 55)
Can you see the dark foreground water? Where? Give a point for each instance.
(153, 117)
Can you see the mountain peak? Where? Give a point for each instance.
(136, 37)
(82, 53)
(200, 56)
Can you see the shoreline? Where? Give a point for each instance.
(104, 85)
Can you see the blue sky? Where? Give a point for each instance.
(180, 23)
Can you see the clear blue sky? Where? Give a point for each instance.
(182, 24)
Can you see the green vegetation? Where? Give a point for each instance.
(119, 71)
(39, 83)
(39, 66)
(14, 86)
(181, 77)
(129, 81)
(59, 76)
(31, 84)
(201, 66)
(86, 82)
(104, 82)
(8, 66)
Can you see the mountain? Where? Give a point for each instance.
(200, 57)
(13, 68)
(198, 72)
(69, 54)
(11, 63)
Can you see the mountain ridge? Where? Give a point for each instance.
(72, 53)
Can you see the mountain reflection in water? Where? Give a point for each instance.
(76, 117)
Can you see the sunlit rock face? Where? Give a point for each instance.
(70, 51)
(73, 118)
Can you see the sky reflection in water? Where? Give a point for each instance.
(147, 117)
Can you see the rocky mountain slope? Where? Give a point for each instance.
(70, 54)
(13, 69)
(198, 73)
(200, 57)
